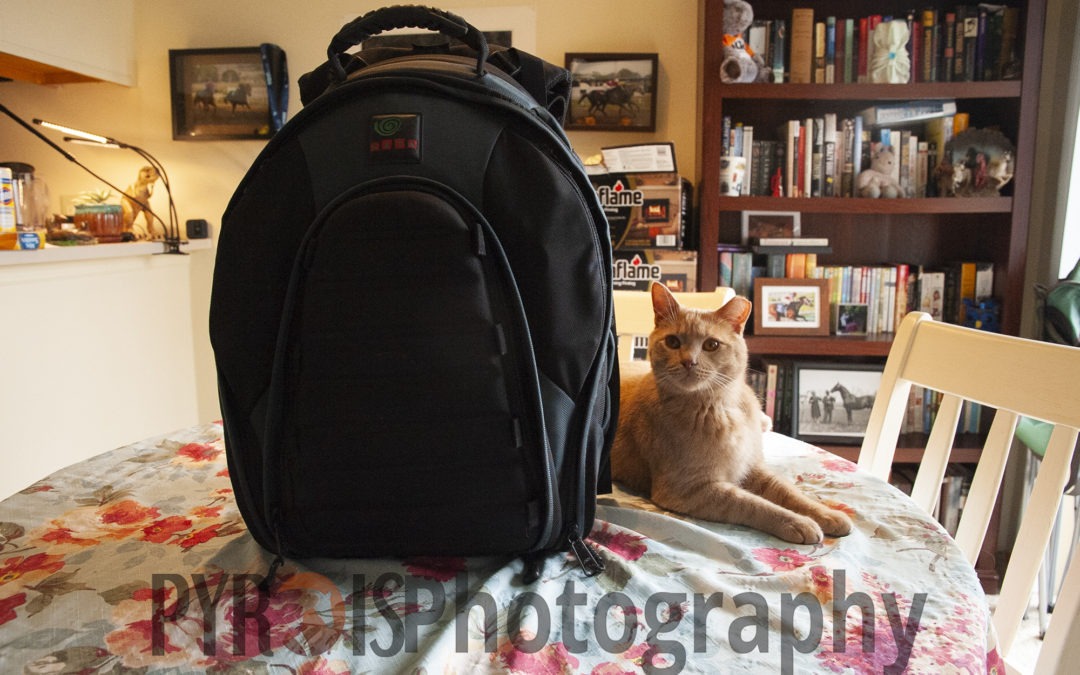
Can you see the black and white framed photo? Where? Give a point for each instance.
(851, 318)
(833, 400)
(758, 224)
(612, 92)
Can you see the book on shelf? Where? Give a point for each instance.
(801, 38)
(931, 286)
(906, 112)
(817, 175)
(778, 40)
(746, 146)
(771, 370)
(830, 49)
(792, 242)
(819, 52)
(828, 168)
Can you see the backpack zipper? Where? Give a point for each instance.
(591, 563)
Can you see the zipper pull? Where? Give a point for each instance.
(268, 581)
(279, 559)
(591, 564)
(530, 570)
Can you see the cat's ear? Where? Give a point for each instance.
(735, 313)
(665, 306)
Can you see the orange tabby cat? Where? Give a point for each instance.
(690, 430)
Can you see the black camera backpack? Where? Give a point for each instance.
(411, 311)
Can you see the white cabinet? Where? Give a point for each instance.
(62, 41)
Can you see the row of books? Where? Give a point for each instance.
(823, 156)
(967, 43)
(889, 291)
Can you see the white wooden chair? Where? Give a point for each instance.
(1017, 377)
(634, 313)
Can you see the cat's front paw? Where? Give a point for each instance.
(835, 523)
(800, 530)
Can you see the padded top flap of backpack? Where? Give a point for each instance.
(547, 83)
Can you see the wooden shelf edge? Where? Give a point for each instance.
(919, 90)
(906, 455)
(871, 345)
(870, 206)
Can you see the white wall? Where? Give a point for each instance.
(98, 353)
(117, 298)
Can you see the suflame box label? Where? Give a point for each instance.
(644, 210)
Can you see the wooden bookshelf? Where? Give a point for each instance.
(928, 231)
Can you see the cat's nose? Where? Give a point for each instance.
(689, 364)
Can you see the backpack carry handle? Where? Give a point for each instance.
(405, 16)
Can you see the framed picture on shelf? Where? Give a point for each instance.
(791, 306)
(758, 224)
(832, 401)
(220, 94)
(851, 318)
(612, 92)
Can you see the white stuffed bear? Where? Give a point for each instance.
(877, 181)
(738, 62)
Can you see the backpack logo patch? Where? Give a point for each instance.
(394, 138)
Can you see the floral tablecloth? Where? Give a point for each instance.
(137, 561)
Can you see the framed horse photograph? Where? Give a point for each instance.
(832, 401)
(791, 306)
(221, 94)
(612, 92)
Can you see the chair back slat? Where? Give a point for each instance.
(979, 506)
(1033, 535)
(927, 488)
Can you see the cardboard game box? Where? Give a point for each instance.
(636, 269)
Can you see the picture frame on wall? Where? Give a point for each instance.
(758, 224)
(832, 401)
(791, 306)
(612, 91)
(228, 93)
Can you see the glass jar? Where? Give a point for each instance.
(104, 221)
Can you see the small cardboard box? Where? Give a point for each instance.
(645, 210)
(636, 269)
(23, 241)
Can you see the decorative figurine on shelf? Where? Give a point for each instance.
(877, 181)
(141, 190)
(739, 63)
(984, 314)
(891, 63)
(977, 163)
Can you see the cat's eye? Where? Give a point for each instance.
(672, 342)
(710, 345)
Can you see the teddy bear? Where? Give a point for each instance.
(877, 181)
(739, 63)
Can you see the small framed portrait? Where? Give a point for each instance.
(833, 400)
(758, 224)
(231, 93)
(851, 318)
(791, 306)
(612, 92)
